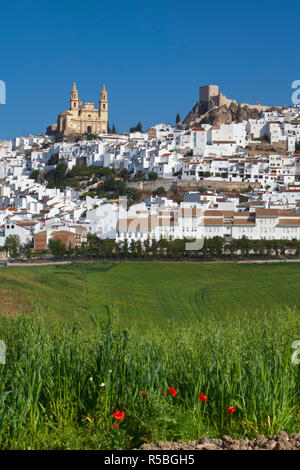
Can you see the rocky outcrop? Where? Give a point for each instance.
(220, 114)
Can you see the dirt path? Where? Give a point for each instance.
(256, 261)
(281, 441)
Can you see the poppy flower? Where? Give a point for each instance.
(164, 394)
(115, 425)
(231, 410)
(202, 397)
(119, 415)
(172, 391)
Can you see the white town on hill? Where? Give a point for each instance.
(258, 156)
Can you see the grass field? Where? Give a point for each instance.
(222, 330)
(144, 293)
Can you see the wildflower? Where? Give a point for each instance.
(119, 415)
(144, 393)
(202, 397)
(231, 410)
(110, 371)
(164, 394)
(102, 384)
(172, 391)
(91, 379)
(116, 425)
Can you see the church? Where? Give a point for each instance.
(82, 119)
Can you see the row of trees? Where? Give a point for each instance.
(215, 247)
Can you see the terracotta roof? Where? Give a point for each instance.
(289, 222)
(237, 221)
(189, 211)
(213, 221)
(138, 224)
(262, 212)
(24, 224)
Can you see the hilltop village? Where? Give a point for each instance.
(232, 180)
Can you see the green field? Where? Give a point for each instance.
(151, 292)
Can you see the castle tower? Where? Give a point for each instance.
(103, 108)
(74, 100)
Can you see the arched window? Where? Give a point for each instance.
(103, 106)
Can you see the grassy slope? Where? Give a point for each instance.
(242, 360)
(150, 292)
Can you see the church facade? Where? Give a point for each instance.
(82, 118)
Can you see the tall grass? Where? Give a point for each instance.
(52, 394)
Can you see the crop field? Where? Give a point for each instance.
(112, 356)
(144, 292)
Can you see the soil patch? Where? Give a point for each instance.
(281, 441)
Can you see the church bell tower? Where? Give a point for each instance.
(103, 108)
(74, 100)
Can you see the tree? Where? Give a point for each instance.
(92, 244)
(28, 251)
(113, 131)
(244, 243)
(124, 174)
(178, 119)
(139, 176)
(34, 175)
(57, 248)
(124, 248)
(57, 177)
(152, 175)
(13, 246)
(159, 191)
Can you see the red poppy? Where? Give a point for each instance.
(202, 397)
(231, 410)
(119, 415)
(172, 391)
(115, 425)
(164, 394)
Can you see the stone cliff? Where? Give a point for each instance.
(220, 114)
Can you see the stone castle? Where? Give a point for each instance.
(82, 118)
(215, 108)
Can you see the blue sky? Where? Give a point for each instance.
(151, 54)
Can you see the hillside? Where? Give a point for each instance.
(220, 114)
(163, 291)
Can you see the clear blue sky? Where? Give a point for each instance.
(151, 54)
